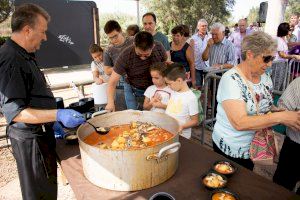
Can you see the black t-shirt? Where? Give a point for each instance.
(22, 84)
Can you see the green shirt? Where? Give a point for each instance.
(159, 37)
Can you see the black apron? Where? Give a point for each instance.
(34, 151)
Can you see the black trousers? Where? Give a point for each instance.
(244, 162)
(288, 172)
(34, 151)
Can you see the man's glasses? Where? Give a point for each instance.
(268, 59)
(114, 37)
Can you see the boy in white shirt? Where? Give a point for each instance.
(183, 104)
(157, 96)
(97, 66)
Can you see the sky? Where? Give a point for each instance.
(242, 7)
(240, 10)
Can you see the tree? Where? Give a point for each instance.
(123, 19)
(253, 15)
(5, 9)
(292, 7)
(174, 12)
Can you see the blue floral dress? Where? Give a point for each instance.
(232, 142)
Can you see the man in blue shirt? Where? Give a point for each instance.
(149, 24)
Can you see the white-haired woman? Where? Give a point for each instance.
(240, 90)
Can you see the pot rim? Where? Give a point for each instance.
(127, 150)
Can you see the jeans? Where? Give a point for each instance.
(134, 97)
(199, 77)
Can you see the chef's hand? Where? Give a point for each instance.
(58, 130)
(70, 118)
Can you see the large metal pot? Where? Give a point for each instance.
(130, 170)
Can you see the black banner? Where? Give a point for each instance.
(70, 32)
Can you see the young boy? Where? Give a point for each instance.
(183, 104)
(97, 66)
(158, 94)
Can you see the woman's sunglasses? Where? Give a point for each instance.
(268, 59)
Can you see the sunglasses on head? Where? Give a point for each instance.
(268, 59)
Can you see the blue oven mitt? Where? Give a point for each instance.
(69, 118)
(58, 130)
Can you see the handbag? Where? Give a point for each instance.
(263, 146)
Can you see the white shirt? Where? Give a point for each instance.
(97, 66)
(199, 47)
(281, 46)
(165, 94)
(182, 106)
(236, 38)
(296, 32)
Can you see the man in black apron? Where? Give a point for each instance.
(29, 106)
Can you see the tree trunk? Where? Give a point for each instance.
(275, 15)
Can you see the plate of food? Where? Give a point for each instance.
(214, 180)
(223, 194)
(224, 167)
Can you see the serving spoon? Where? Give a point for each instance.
(100, 130)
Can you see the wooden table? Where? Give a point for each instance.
(194, 161)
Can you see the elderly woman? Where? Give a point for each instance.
(236, 112)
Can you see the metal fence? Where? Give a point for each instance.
(283, 73)
(210, 82)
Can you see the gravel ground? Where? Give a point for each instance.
(8, 168)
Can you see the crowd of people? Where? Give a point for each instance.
(159, 76)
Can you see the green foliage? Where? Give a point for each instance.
(292, 7)
(253, 15)
(2, 40)
(173, 12)
(123, 19)
(5, 9)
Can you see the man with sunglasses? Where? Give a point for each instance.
(134, 62)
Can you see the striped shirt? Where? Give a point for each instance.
(222, 53)
(290, 100)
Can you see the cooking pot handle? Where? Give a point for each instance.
(101, 112)
(164, 152)
(172, 148)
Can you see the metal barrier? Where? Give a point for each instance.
(211, 77)
(294, 70)
(283, 73)
(279, 74)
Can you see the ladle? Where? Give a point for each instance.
(100, 130)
